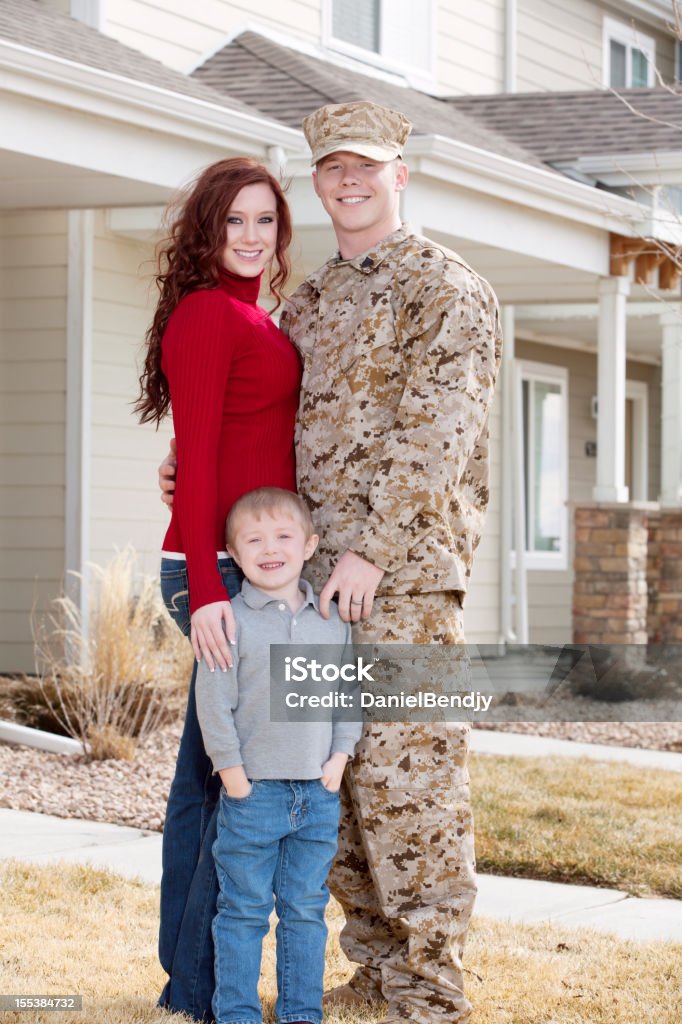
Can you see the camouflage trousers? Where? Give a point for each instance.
(404, 872)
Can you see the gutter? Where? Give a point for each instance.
(531, 186)
(42, 76)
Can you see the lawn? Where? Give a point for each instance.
(72, 929)
(581, 821)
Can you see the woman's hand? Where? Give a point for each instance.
(212, 626)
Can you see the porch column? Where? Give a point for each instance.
(671, 411)
(78, 411)
(610, 484)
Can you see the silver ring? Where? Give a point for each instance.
(358, 602)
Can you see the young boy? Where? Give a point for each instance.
(279, 806)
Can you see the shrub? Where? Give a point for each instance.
(123, 674)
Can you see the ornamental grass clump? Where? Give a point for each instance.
(112, 680)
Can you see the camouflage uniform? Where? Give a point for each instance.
(400, 347)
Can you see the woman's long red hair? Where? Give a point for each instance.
(189, 259)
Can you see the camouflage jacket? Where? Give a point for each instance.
(400, 349)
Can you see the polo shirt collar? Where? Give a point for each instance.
(258, 599)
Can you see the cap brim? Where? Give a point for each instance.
(383, 153)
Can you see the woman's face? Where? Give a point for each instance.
(251, 235)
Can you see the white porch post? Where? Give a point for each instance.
(671, 411)
(78, 389)
(610, 485)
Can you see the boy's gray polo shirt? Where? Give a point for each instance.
(234, 706)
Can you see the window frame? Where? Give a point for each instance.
(547, 373)
(417, 76)
(631, 38)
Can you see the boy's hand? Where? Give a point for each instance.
(355, 580)
(167, 471)
(235, 781)
(332, 772)
(208, 636)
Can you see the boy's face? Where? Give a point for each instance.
(271, 549)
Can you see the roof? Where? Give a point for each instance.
(31, 24)
(287, 85)
(564, 126)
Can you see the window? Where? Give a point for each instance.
(544, 404)
(629, 56)
(397, 35)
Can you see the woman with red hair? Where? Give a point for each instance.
(232, 379)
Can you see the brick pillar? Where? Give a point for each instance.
(653, 577)
(610, 588)
(670, 577)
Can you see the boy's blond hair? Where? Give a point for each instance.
(266, 501)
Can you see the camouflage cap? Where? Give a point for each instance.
(363, 127)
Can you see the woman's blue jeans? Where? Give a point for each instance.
(189, 886)
(279, 840)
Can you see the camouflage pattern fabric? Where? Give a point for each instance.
(400, 349)
(362, 127)
(404, 872)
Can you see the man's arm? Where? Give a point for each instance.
(442, 415)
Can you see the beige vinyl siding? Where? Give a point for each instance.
(180, 33)
(124, 498)
(471, 46)
(550, 594)
(33, 275)
(560, 44)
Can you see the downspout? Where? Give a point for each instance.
(507, 634)
(277, 161)
(510, 31)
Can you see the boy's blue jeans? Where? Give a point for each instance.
(189, 887)
(280, 839)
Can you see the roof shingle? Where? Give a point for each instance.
(31, 24)
(563, 126)
(287, 85)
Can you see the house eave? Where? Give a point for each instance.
(37, 75)
(629, 169)
(527, 185)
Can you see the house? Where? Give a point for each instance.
(549, 184)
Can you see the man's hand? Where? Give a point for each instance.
(235, 781)
(355, 580)
(208, 636)
(332, 771)
(167, 471)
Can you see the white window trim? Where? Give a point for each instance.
(554, 561)
(638, 391)
(417, 77)
(629, 37)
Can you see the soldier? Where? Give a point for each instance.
(400, 344)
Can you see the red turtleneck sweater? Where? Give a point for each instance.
(234, 380)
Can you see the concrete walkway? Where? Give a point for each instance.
(42, 839)
(513, 744)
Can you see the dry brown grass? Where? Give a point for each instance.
(122, 680)
(72, 929)
(580, 821)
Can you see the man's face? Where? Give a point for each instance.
(359, 194)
